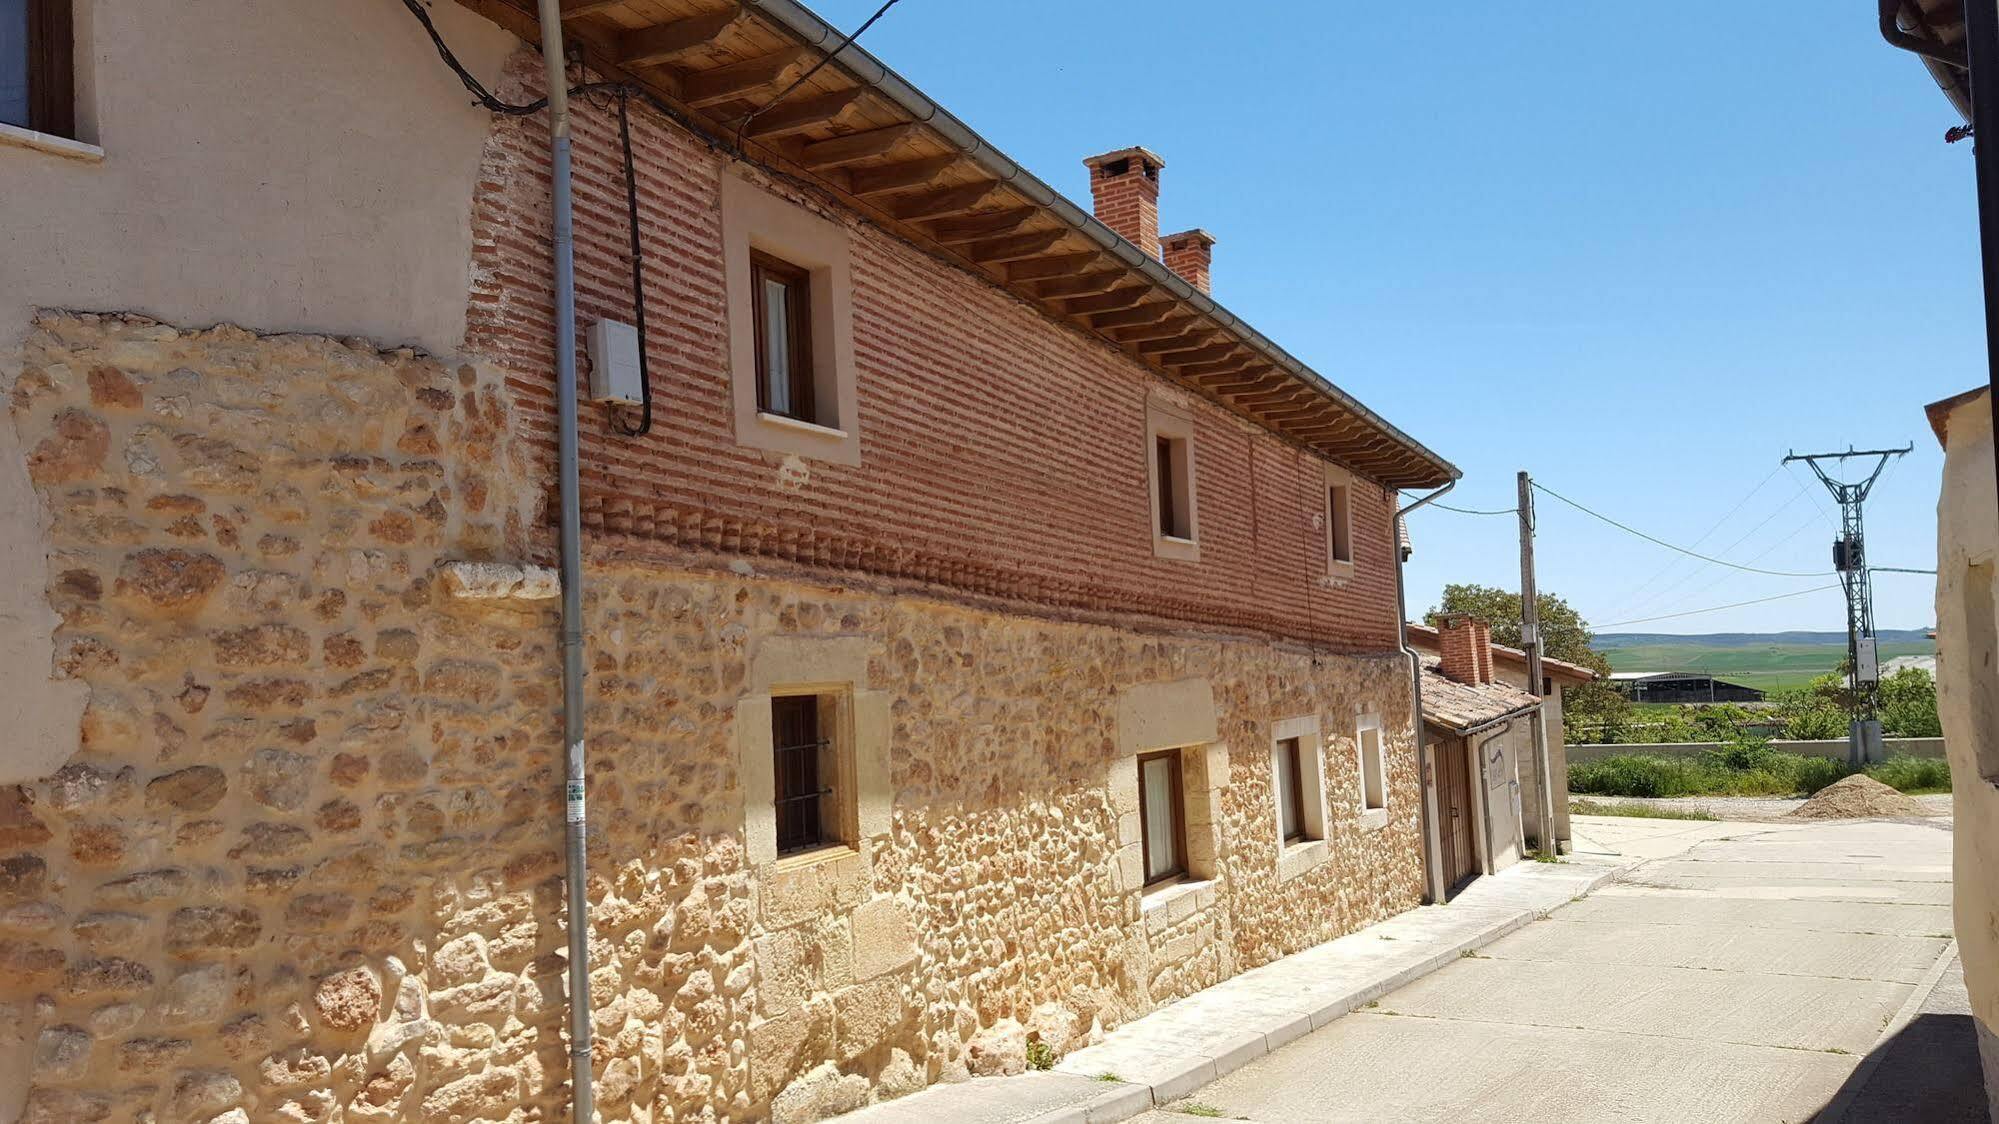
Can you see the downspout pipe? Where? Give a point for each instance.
(1433, 873)
(563, 247)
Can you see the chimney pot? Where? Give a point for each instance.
(1124, 194)
(1189, 254)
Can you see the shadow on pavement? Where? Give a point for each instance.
(1929, 1072)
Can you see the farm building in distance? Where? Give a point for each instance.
(1680, 687)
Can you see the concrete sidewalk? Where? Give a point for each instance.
(1185, 1045)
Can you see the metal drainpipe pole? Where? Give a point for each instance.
(582, 1092)
(1530, 642)
(1981, 33)
(1433, 873)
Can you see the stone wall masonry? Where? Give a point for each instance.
(306, 865)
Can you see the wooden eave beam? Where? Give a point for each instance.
(1015, 246)
(577, 9)
(665, 42)
(1174, 343)
(1080, 285)
(837, 152)
(795, 116)
(1106, 302)
(1165, 329)
(1200, 354)
(943, 202)
(1218, 367)
(712, 87)
(970, 228)
(1143, 314)
(895, 177)
(1055, 265)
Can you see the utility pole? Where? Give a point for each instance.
(1530, 643)
(1849, 557)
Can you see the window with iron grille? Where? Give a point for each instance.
(805, 769)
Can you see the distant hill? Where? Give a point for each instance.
(1607, 642)
(1769, 660)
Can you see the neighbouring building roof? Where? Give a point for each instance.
(1425, 637)
(1458, 707)
(1935, 29)
(1939, 412)
(864, 134)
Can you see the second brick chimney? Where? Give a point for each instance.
(1188, 254)
(1464, 650)
(1124, 193)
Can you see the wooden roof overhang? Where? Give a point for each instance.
(873, 141)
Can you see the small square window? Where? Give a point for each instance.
(1162, 820)
(1289, 790)
(805, 766)
(781, 300)
(1170, 453)
(1373, 777)
(1339, 523)
(36, 85)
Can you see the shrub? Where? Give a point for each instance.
(1749, 768)
(1913, 774)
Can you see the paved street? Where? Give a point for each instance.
(1744, 979)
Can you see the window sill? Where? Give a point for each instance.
(16, 136)
(1300, 856)
(816, 857)
(1172, 902)
(794, 424)
(1374, 819)
(1339, 573)
(1173, 546)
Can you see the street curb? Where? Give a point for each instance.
(1841, 1104)
(1132, 1098)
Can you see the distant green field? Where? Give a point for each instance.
(1767, 667)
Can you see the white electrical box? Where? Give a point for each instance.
(614, 362)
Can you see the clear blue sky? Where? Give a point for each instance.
(1638, 250)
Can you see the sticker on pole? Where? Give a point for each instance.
(575, 801)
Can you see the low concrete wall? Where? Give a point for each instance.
(1830, 747)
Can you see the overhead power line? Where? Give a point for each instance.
(1473, 511)
(1711, 608)
(1637, 596)
(807, 76)
(1630, 530)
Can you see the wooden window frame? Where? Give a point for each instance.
(1292, 749)
(1167, 503)
(1179, 802)
(1361, 732)
(797, 282)
(1339, 524)
(804, 771)
(50, 68)
(1173, 499)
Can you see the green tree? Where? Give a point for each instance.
(1592, 712)
(1909, 705)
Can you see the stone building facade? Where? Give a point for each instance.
(285, 842)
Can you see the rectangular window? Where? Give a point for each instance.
(1373, 780)
(1170, 469)
(36, 88)
(1289, 790)
(1339, 524)
(781, 302)
(805, 769)
(1161, 826)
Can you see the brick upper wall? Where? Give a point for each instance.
(1002, 454)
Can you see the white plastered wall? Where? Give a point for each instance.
(282, 165)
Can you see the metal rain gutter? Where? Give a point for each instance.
(1433, 843)
(870, 71)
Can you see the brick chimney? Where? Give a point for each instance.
(1124, 193)
(1483, 646)
(1188, 254)
(1459, 644)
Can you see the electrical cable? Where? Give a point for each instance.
(638, 265)
(803, 78)
(1626, 528)
(1637, 597)
(1471, 511)
(1646, 603)
(1712, 608)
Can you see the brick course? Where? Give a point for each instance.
(1002, 454)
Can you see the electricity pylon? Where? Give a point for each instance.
(1849, 558)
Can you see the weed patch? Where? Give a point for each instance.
(1747, 768)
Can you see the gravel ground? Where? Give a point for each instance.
(1751, 808)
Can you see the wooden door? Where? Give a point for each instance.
(1455, 809)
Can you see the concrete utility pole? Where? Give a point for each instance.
(1530, 643)
(1849, 557)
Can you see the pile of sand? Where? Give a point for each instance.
(1857, 797)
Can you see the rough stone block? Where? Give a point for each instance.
(884, 938)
